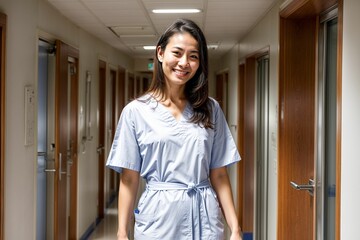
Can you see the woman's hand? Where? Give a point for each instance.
(221, 184)
(235, 236)
(122, 236)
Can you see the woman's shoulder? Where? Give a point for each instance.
(138, 104)
(139, 101)
(214, 103)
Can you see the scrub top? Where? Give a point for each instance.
(175, 158)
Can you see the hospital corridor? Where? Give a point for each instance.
(284, 72)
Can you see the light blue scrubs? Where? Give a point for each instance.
(175, 158)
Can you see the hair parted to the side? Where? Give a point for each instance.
(196, 89)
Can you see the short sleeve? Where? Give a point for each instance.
(124, 152)
(224, 151)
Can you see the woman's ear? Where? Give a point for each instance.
(160, 54)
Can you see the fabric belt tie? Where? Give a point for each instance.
(194, 191)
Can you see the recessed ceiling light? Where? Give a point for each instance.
(194, 10)
(149, 47)
(212, 46)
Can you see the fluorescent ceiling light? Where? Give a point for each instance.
(149, 47)
(212, 46)
(176, 10)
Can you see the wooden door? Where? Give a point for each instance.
(131, 87)
(113, 120)
(100, 150)
(248, 145)
(2, 118)
(64, 134)
(221, 91)
(299, 27)
(121, 90)
(240, 145)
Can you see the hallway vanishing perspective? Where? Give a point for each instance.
(107, 228)
(286, 74)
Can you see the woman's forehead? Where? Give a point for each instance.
(183, 39)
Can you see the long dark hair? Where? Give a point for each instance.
(196, 89)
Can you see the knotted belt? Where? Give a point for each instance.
(194, 192)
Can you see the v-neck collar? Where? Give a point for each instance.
(166, 113)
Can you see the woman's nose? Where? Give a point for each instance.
(184, 62)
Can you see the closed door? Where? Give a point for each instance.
(65, 141)
(221, 91)
(308, 116)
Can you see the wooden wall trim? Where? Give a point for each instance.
(2, 120)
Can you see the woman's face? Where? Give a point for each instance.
(180, 59)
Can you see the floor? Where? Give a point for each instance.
(107, 228)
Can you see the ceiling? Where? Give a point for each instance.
(128, 25)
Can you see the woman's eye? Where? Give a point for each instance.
(176, 53)
(194, 56)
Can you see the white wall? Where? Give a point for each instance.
(28, 20)
(264, 34)
(350, 164)
(19, 197)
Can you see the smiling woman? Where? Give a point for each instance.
(178, 140)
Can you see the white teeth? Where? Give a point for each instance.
(180, 72)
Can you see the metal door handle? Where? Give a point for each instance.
(308, 187)
(100, 149)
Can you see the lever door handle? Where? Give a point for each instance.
(308, 187)
(100, 149)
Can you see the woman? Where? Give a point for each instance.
(177, 139)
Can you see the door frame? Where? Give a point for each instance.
(321, 103)
(262, 149)
(3, 18)
(101, 138)
(221, 91)
(74, 136)
(290, 12)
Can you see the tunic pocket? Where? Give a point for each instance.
(213, 215)
(144, 224)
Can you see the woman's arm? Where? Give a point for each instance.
(220, 181)
(129, 183)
